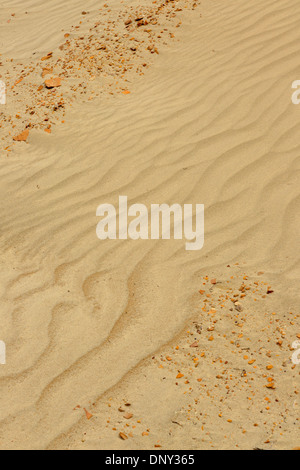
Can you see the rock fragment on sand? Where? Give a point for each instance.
(47, 57)
(53, 82)
(22, 137)
(46, 71)
(88, 414)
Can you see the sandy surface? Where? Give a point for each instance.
(143, 338)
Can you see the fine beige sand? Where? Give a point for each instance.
(141, 344)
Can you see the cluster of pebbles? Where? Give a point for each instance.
(100, 56)
(234, 364)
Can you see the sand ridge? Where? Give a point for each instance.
(88, 324)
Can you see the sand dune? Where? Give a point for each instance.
(90, 324)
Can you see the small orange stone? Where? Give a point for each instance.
(53, 82)
(22, 137)
(88, 414)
